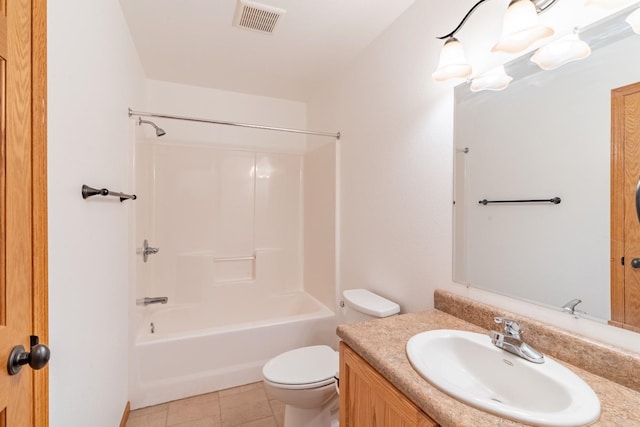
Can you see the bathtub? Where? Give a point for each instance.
(201, 348)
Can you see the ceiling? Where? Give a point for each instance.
(194, 42)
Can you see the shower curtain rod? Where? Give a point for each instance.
(221, 122)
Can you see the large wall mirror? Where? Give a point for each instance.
(548, 135)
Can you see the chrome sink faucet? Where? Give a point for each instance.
(511, 341)
(570, 307)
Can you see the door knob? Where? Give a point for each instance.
(37, 358)
(635, 263)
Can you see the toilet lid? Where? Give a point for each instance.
(306, 365)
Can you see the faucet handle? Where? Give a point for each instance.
(511, 327)
(570, 307)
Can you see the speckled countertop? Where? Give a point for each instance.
(382, 343)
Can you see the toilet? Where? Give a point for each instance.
(305, 378)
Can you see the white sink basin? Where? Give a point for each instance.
(468, 367)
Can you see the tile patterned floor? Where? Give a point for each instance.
(245, 406)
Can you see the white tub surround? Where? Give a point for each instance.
(201, 348)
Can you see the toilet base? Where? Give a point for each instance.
(324, 416)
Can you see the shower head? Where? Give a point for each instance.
(159, 130)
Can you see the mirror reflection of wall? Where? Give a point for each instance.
(547, 135)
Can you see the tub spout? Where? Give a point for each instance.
(152, 300)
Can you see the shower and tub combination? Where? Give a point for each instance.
(227, 286)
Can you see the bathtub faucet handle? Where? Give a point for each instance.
(147, 250)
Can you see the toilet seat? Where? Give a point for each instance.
(303, 368)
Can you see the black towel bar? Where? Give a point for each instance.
(90, 192)
(555, 201)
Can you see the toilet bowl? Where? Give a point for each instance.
(305, 379)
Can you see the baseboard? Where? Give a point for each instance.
(125, 415)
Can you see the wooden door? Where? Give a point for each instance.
(367, 399)
(625, 215)
(23, 264)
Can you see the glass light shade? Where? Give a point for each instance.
(560, 52)
(634, 20)
(452, 62)
(520, 28)
(495, 79)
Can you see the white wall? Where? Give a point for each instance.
(199, 102)
(396, 168)
(397, 155)
(320, 223)
(94, 75)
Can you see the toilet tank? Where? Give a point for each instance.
(361, 304)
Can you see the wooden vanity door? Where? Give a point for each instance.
(367, 399)
(625, 218)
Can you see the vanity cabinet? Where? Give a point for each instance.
(367, 399)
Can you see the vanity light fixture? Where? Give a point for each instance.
(560, 52)
(520, 30)
(495, 79)
(453, 63)
(634, 20)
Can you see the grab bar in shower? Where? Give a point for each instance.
(555, 201)
(90, 192)
(238, 258)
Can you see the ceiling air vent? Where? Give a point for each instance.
(257, 17)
